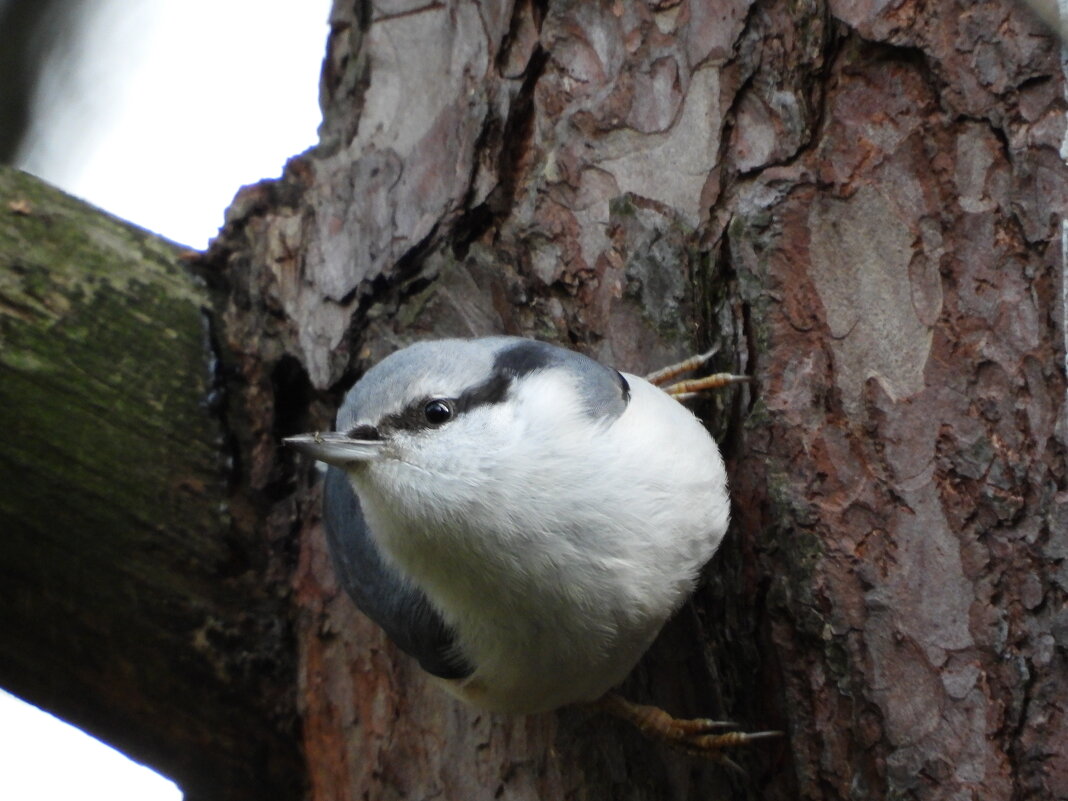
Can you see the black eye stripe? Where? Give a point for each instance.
(363, 432)
(493, 390)
(410, 418)
(413, 417)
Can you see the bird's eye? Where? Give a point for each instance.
(437, 412)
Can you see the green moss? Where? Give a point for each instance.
(104, 375)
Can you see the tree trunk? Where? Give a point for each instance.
(861, 204)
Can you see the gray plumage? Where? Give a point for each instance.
(378, 590)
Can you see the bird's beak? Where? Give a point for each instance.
(336, 448)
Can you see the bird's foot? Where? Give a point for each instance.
(695, 736)
(686, 389)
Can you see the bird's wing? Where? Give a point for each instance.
(379, 590)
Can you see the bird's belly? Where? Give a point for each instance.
(535, 671)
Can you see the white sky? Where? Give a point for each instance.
(166, 109)
(170, 106)
(44, 759)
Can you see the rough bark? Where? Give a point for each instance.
(861, 203)
(902, 473)
(128, 604)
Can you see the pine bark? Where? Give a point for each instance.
(861, 204)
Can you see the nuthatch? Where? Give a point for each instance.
(523, 520)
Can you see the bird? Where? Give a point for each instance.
(522, 520)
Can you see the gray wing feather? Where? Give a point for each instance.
(379, 591)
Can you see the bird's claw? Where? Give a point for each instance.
(711, 746)
(693, 726)
(692, 735)
(688, 388)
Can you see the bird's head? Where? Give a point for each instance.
(444, 408)
(413, 407)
